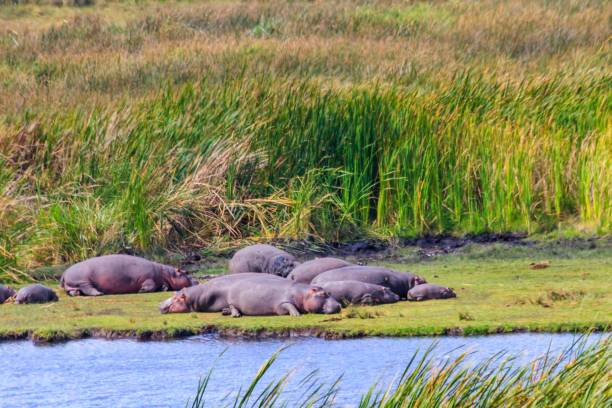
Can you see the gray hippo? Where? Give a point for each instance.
(36, 293)
(398, 282)
(5, 293)
(251, 294)
(430, 291)
(307, 271)
(263, 258)
(347, 292)
(115, 274)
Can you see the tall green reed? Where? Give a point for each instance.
(252, 156)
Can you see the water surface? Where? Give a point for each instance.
(128, 373)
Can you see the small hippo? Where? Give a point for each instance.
(36, 293)
(263, 258)
(251, 294)
(347, 292)
(430, 291)
(398, 282)
(307, 271)
(5, 293)
(115, 274)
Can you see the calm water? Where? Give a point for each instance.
(127, 373)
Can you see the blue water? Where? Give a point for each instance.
(128, 373)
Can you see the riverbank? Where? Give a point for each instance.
(500, 289)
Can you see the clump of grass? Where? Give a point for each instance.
(548, 298)
(466, 316)
(578, 376)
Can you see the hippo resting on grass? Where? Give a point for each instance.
(36, 293)
(263, 258)
(354, 292)
(398, 282)
(5, 293)
(307, 271)
(430, 291)
(251, 294)
(114, 274)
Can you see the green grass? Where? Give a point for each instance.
(496, 292)
(157, 127)
(579, 376)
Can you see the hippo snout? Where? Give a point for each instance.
(331, 306)
(164, 306)
(391, 296)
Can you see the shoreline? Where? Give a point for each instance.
(59, 336)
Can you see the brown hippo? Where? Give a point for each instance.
(398, 282)
(114, 274)
(430, 291)
(35, 293)
(263, 258)
(251, 294)
(5, 293)
(307, 271)
(355, 292)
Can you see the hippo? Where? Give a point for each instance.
(115, 274)
(5, 293)
(430, 291)
(398, 282)
(251, 294)
(36, 293)
(263, 258)
(307, 271)
(355, 292)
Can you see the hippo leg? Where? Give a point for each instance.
(74, 292)
(287, 308)
(367, 299)
(234, 311)
(88, 290)
(148, 286)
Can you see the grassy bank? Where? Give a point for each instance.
(577, 377)
(497, 291)
(152, 127)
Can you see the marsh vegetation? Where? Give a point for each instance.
(157, 126)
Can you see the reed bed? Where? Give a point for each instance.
(577, 377)
(162, 126)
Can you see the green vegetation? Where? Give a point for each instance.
(576, 377)
(161, 126)
(497, 291)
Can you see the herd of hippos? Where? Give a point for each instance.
(263, 280)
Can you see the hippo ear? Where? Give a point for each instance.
(182, 296)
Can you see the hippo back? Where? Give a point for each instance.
(35, 293)
(307, 271)
(430, 291)
(262, 258)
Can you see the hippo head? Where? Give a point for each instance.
(178, 303)
(447, 292)
(418, 281)
(178, 279)
(388, 296)
(318, 300)
(282, 266)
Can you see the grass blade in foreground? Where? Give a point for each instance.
(580, 376)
